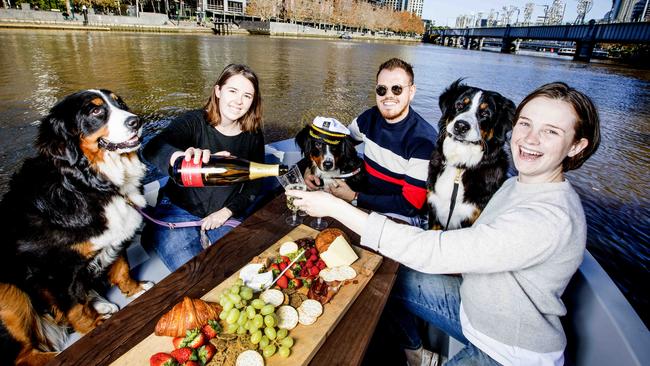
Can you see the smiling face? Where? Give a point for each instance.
(235, 98)
(542, 138)
(394, 108)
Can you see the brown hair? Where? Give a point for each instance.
(587, 123)
(396, 63)
(252, 120)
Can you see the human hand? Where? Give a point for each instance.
(216, 219)
(312, 181)
(314, 203)
(341, 190)
(196, 154)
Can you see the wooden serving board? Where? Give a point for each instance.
(308, 339)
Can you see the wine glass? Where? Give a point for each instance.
(319, 224)
(293, 180)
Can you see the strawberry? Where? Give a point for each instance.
(162, 359)
(177, 342)
(206, 353)
(290, 274)
(321, 264)
(307, 282)
(283, 282)
(283, 266)
(193, 339)
(184, 354)
(286, 259)
(191, 363)
(211, 329)
(275, 268)
(314, 271)
(295, 283)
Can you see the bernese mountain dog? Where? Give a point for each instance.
(65, 221)
(469, 163)
(331, 156)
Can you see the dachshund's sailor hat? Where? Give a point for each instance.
(328, 129)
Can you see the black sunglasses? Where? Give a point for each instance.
(395, 89)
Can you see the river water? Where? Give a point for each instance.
(160, 75)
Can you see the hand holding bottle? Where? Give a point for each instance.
(196, 154)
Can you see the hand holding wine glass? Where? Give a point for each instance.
(293, 180)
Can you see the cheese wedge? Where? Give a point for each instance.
(339, 253)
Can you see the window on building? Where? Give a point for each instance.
(235, 7)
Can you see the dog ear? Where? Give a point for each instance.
(302, 140)
(447, 100)
(349, 155)
(56, 142)
(506, 108)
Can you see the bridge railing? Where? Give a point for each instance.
(610, 32)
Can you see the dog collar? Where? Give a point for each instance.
(329, 137)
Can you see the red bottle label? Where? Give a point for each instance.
(191, 173)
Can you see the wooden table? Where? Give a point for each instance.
(346, 345)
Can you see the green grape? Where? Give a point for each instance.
(242, 318)
(258, 321)
(231, 328)
(223, 315)
(239, 282)
(284, 352)
(269, 350)
(256, 337)
(250, 311)
(287, 342)
(267, 309)
(227, 305)
(233, 316)
(246, 293)
(257, 303)
(247, 325)
(270, 320)
(270, 332)
(240, 305)
(241, 330)
(234, 298)
(282, 333)
(221, 298)
(264, 342)
(234, 289)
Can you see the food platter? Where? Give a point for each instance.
(307, 338)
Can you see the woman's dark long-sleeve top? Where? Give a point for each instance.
(193, 130)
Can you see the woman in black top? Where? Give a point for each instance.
(231, 121)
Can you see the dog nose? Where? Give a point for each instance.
(133, 122)
(461, 127)
(328, 164)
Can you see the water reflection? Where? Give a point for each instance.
(161, 75)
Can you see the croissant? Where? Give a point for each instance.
(187, 314)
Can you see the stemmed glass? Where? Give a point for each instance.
(293, 180)
(319, 224)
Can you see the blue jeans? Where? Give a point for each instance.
(435, 299)
(177, 246)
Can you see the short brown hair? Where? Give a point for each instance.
(252, 120)
(587, 123)
(396, 63)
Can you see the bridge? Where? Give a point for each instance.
(585, 36)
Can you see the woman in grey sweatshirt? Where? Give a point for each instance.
(515, 260)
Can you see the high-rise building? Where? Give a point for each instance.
(414, 6)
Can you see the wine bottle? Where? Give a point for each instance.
(221, 171)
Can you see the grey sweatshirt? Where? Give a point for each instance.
(516, 260)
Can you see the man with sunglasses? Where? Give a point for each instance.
(398, 145)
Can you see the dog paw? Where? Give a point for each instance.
(145, 285)
(105, 308)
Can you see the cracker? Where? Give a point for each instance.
(287, 317)
(273, 297)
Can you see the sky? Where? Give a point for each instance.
(444, 12)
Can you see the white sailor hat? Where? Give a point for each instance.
(329, 125)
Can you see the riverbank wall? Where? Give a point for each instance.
(157, 22)
(279, 29)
